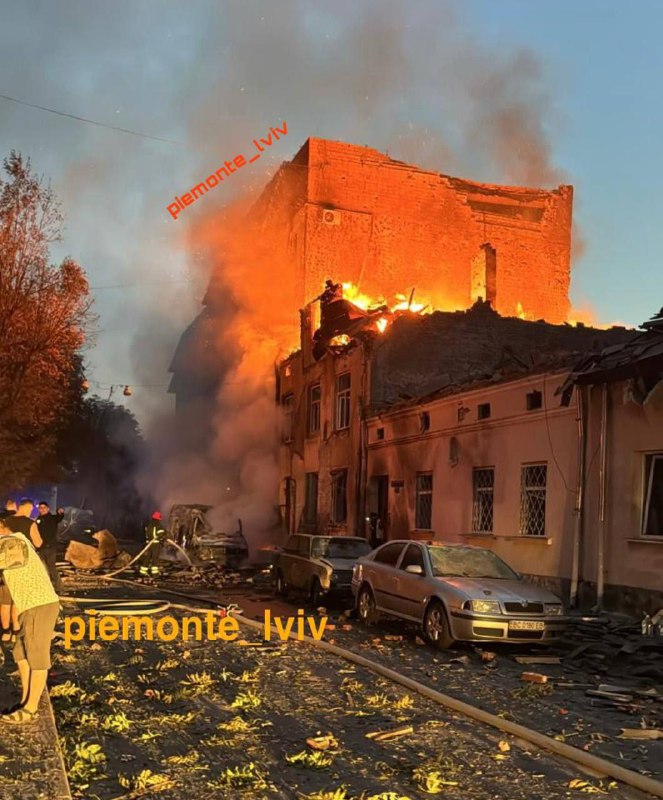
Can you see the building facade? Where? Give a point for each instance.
(447, 426)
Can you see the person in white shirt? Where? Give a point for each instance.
(38, 607)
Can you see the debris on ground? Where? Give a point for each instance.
(534, 677)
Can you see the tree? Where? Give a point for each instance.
(44, 313)
(98, 455)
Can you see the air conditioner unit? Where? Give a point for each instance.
(331, 217)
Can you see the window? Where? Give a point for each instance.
(288, 417)
(290, 492)
(291, 545)
(533, 500)
(379, 434)
(389, 554)
(653, 499)
(424, 421)
(342, 416)
(414, 556)
(483, 411)
(311, 498)
(483, 481)
(424, 507)
(339, 510)
(314, 409)
(534, 400)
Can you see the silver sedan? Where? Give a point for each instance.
(456, 593)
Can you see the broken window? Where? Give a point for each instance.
(342, 417)
(653, 499)
(483, 411)
(311, 499)
(424, 502)
(288, 417)
(533, 479)
(482, 507)
(314, 395)
(339, 509)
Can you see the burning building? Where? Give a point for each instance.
(348, 377)
(412, 239)
(351, 212)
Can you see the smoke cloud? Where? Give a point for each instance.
(390, 77)
(408, 79)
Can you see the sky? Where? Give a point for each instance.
(430, 82)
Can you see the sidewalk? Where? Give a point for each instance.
(31, 764)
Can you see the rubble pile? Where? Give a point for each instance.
(614, 645)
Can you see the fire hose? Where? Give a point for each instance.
(573, 754)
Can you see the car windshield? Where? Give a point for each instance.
(336, 547)
(468, 562)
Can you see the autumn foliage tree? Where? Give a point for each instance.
(44, 314)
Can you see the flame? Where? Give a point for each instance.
(342, 340)
(400, 303)
(357, 298)
(578, 316)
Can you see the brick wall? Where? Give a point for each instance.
(397, 226)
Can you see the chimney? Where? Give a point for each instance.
(484, 275)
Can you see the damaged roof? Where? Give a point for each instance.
(445, 352)
(640, 358)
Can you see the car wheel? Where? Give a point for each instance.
(279, 585)
(436, 627)
(315, 595)
(366, 610)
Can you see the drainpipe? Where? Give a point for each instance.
(600, 552)
(580, 496)
(362, 471)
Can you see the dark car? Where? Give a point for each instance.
(456, 593)
(317, 565)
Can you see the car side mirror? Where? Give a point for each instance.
(414, 569)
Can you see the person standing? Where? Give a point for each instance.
(155, 533)
(38, 607)
(20, 522)
(6, 631)
(48, 530)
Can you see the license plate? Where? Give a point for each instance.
(526, 625)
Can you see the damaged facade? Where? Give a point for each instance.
(387, 226)
(451, 426)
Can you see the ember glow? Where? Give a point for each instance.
(400, 303)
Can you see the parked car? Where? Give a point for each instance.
(456, 593)
(190, 527)
(317, 565)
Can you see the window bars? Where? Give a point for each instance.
(424, 504)
(483, 481)
(533, 478)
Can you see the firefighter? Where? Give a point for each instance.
(156, 533)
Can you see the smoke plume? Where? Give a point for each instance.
(403, 79)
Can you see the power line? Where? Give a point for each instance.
(89, 121)
(132, 285)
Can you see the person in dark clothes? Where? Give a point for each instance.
(19, 522)
(9, 509)
(154, 532)
(48, 530)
